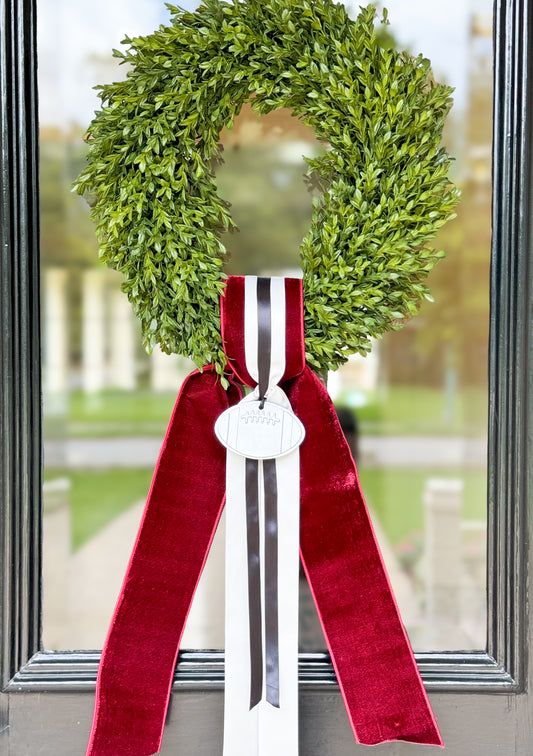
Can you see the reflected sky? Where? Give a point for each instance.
(84, 35)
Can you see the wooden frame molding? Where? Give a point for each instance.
(502, 667)
(20, 388)
(510, 355)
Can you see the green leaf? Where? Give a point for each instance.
(383, 182)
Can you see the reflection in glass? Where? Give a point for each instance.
(414, 410)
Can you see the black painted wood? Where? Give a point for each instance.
(510, 360)
(204, 670)
(34, 683)
(20, 451)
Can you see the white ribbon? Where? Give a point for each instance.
(264, 730)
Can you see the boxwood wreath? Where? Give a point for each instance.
(154, 146)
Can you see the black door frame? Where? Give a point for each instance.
(503, 667)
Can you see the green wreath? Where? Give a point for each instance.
(384, 184)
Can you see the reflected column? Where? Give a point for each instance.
(93, 331)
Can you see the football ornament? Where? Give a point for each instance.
(253, 431)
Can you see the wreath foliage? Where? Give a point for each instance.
(154, 145)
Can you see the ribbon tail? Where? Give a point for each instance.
(375, 666)
(181, 515)
(268, 728)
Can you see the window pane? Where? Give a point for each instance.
(414, 410)
(106, 404)
(421, 397)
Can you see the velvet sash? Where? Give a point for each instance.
(376, 670)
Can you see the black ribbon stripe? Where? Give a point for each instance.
(264, 336)
(254, 581)
(270, 488)
(271, 581)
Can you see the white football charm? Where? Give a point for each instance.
(256, 433)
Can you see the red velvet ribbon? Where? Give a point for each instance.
(376, 670)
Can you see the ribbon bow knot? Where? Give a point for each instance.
(262, 331)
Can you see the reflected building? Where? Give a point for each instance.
(425, 492)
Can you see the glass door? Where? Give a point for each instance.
(417, 405)
(416, 410)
